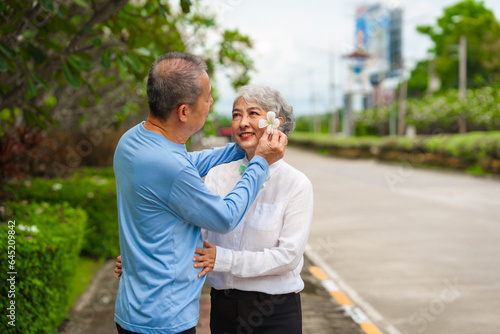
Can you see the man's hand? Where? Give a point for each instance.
(206, 260)
(118, 268)
(272, 147)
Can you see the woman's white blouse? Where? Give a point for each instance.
(265, 251)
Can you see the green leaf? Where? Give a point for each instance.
(4, 66)
(7, 51)
(186, 6)
(89, 30)
(50, 102)
(75, 63)
(163, 10)
(96, 42)
(32, 87)
(79, 63)
(45, 115)
(47, 5)
(132, 60)
(143, 51)
(106, 58)
(42, 82)
(60, 13)
(36, 54)
(71, 75)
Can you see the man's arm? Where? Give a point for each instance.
(207, 159)
(193, 202)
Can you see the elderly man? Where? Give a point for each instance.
(163, 202)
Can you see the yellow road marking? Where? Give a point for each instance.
(369, 328)
(318, 272)
(341, 298)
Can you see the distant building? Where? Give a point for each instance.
(377, 57)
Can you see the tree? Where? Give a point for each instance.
(419, 79)
(76, 58)
(469, 18)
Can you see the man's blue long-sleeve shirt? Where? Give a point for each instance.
(162, 204)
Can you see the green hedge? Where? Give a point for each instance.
(481, 108)
(472, 148)
(472, 145)
(95, 192)
(48, 239)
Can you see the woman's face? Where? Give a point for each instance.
(245, 124)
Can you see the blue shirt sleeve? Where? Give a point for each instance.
(207, 159)
(192, 202)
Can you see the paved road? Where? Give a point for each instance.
(420, 247)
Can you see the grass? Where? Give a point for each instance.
(475, 169)
(85, 271)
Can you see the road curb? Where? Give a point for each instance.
(346, 297)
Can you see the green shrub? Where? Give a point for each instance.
(48, 239)
(475, 145)
(95, 194)
(481, 108)
(471, 146)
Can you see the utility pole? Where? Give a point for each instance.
(430, 82)
(402, 101)
(334, 121)
(315, 118)
(317, 121)
(462, 74)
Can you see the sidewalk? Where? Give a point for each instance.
(94, 309)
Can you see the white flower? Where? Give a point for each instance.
(271, 122)
(28, 228)
(90, 195)
(39, 210)
(57, 186)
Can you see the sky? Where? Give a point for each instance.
(299, 45)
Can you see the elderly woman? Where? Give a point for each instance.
(256, 267)
(254, 270)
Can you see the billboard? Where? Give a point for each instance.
(378, 33)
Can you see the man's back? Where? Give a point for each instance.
(159, 288)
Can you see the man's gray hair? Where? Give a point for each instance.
(271, 100)
(174, 80)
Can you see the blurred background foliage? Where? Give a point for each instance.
(469, 18)
(72, 80)
(77, 70)
(79, 58)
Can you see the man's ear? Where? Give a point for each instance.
(182, 112)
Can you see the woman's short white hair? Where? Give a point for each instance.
(271, 100)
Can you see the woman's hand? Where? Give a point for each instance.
(206, 260)
(118, 268)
